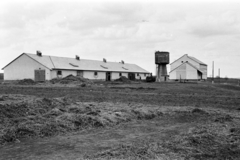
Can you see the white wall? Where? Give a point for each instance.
(191, 72)
(100, 76)
(178, 73)
(115, 75)
(141, 75)
(90, 75)
(173, 75)
(23, 68)
(64, 73)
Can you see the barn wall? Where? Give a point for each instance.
(64, 73)
(115, 75)
(173, 75)
(90, 75)
(203, 68)
(125, 74)
(143, 77)
(181, 72)
(23, 68)
(191, 73)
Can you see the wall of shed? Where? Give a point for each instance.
(23, 68)
(143, 77)
(90, 75)
(100, 76)
(191, 73)
(115, 75)
(184, 59)
(173, 75)
(64, 73)
(203, 68)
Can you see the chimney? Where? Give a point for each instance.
(39, 53)
(104, 60)
(77, 58)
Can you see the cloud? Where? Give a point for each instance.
(226, 23)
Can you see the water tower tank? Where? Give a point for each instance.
(161, 60)
(161, 57)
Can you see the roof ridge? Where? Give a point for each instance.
(196, 60)
(80, 59)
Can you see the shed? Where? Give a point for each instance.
(42, 67)
(189, 68)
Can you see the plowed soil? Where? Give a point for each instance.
(128, 121)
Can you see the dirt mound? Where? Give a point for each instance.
(198, 111)
(123, 79)
(41, 117)
(26, 82)
(70, 79)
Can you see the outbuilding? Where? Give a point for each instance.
(188, 68)
(42, 67)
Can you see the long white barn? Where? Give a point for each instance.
(189, 68)
(42, 67)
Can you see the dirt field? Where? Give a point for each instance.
(120, 121)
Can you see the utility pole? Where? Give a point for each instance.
(212, 72)
(219, 75)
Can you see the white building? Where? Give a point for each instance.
(40, 67)
(189, 68)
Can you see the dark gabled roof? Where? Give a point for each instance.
(186, 63)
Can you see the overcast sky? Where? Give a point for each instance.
(124, 30)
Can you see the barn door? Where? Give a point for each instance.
(131, 76)
(108, 76)
(40, 75)
(80, 73)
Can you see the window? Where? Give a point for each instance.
(95, 73)
(59, 73)
(145, 74)
(120, 74)
(137, 74)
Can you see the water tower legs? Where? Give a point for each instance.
(161, 75)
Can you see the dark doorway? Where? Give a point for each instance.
(131, 76)
(199, 75)
(80, 73)
(108, 76)
(39, 75)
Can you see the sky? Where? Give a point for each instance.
(124, 30)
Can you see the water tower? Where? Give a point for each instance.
(161, 61)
